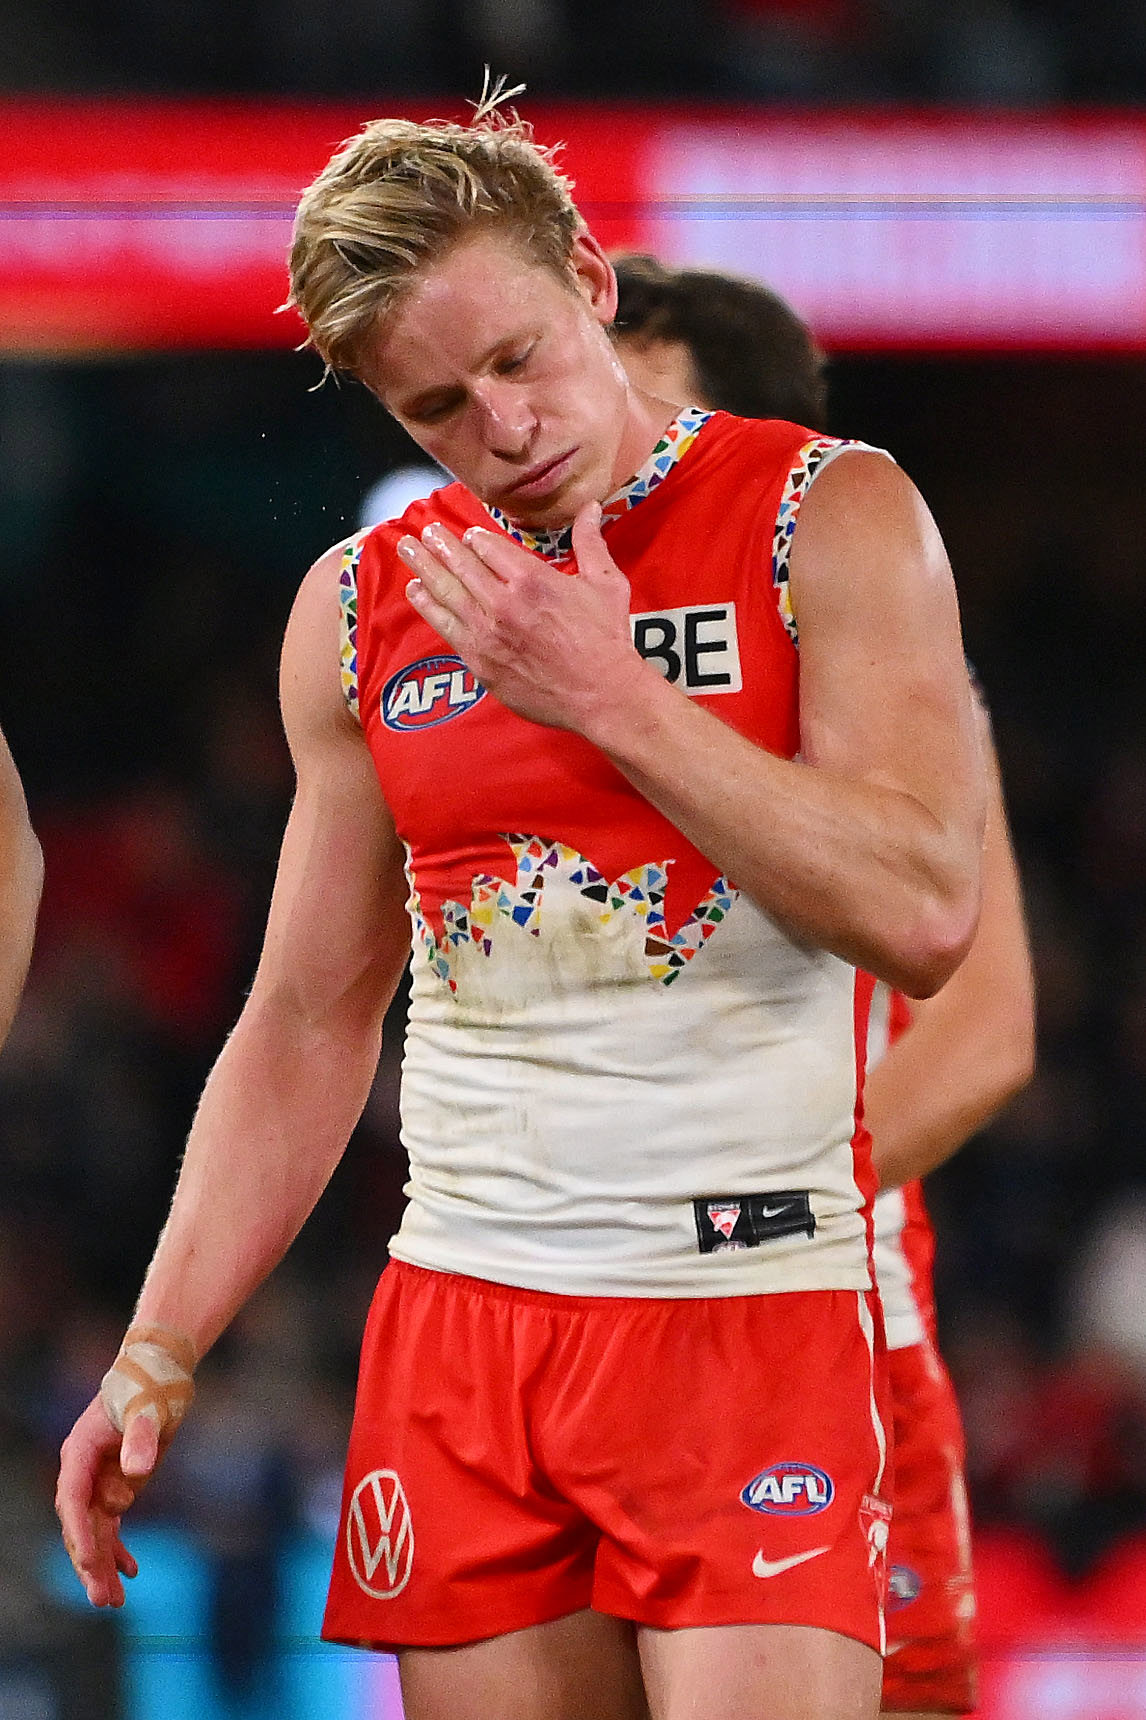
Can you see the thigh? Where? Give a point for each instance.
(781, 1671)
(931, 1653)
(583, 1667)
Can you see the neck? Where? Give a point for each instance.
(646, 421)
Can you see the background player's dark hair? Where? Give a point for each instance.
(751, 353)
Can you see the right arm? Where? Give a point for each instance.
(284, 1096)
(21, 876)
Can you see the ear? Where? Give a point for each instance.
(593, 277)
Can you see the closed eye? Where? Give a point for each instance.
(510, 365)
(433, 411)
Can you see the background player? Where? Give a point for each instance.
(22, 871)
(590, 1046)
(954, 1059)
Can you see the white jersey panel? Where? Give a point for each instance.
(563, 1109)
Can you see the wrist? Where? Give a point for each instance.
(625, 707)
(151, 1376)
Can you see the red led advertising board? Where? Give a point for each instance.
(156, 224)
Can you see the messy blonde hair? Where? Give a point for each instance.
(397, 196)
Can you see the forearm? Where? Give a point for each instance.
(272, 1123)
(22, 871)
(938, 1086)
(862, 870)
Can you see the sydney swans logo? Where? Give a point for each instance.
(379, 1534)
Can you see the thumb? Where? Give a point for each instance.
(593, 558)
(140, 1449)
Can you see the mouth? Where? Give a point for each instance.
(541, 479)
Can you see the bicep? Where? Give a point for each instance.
(884, 696)
(337, 934)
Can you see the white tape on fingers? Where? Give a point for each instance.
(151, 1376)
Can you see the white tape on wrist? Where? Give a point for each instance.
(151, 1376)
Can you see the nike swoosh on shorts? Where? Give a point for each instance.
(762, 1567)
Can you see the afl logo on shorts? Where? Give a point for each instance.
(380, 1535)
(789, 1490)
(429, 692)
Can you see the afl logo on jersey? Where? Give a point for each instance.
(429, 692)
(789, 1490)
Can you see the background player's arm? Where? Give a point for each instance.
(971, 1047)
(21, 875)
(870, 844)
(286, 1092)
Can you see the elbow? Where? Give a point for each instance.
(937, 944)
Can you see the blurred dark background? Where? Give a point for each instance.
(156, 514)
(1008, 51)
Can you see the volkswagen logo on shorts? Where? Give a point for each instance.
(429, 692)
(380, 1535)
(789, 1490)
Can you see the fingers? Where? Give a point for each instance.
(80, 1545)
(507, 559)
(99, 1557)
(441, 619)
(81, 1467)
(454, 576)
(113, 1493)
(93, 1493)
(498, 553)
(456, 588)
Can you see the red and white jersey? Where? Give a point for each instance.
(904, 1247)
(621, 1077)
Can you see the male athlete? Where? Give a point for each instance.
(694, 335)
(22, 872)
(619, 1445)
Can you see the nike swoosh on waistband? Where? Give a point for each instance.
(762, 1567)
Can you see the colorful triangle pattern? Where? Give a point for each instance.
(640, 891)
(803, 469)
(348, 618)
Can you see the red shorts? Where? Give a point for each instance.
(931, 1660)
(517, 1456)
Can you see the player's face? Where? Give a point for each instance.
(503, 372)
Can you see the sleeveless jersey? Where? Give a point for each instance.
(904, 1248)
(621, 1076)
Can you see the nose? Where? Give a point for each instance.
(507, 420)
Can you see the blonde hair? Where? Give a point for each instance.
(397, 196)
